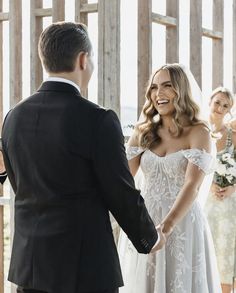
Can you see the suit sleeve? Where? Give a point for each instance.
(117, 184)
(10, 173)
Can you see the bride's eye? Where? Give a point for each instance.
(152, 87)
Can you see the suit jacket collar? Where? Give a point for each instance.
(58, 87)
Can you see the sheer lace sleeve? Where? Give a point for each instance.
(205, 161)
(133, 151)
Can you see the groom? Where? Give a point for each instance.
(67, 165)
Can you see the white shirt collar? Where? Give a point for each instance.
(60, 79)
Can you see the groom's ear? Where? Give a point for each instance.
(81, 60)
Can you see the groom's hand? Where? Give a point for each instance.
(161, 239)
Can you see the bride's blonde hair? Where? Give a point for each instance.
(185, 107)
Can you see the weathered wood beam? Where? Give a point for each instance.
(196, 40)
(4, 16)
(81, 15)
(165, 20)
(43, 12)
(58, 10)
(144, 49)
(15, 31)
(89, 8)
(212, 34)
(217, 44)
(35, 31)
(109, 54)
(172, 32)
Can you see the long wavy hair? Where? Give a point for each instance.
(186, 110)
(224, 91)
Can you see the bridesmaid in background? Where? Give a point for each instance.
(221, 203)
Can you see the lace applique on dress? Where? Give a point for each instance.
(205, 161)
(133, 151)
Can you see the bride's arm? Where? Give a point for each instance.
(199, 139)
(133, 142)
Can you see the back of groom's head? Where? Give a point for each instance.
(60, 43)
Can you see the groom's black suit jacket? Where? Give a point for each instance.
(67, 165)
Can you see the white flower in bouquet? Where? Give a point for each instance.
(232, 171)
(226, 157)
(221, 169)
(230, 178)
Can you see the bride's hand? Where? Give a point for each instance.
(161, 239)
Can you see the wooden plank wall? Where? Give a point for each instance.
(109, 49)
(171, 21)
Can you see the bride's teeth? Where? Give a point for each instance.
(163, 102)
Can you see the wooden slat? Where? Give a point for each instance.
(144, 49)
(109, 54)
(217, 44)
(89, 8)
(4, 16)
(35, 30)
(165, 20)
(15, 52)
(234, 47)
(172, 32)
(196, 40)
(79, 15)
(43, 12)
(211, 34)
(58, 10)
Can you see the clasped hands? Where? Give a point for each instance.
(222, 192)
(162, 238)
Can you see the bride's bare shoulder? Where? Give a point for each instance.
(199, 136)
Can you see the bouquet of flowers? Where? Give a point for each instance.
(225, 174)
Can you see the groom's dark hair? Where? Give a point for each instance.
(60, 43)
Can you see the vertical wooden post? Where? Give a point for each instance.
(234, 46)
(217, 54)
(144, 49)
(172, 33)
(80, 16)
(109, 54)
(58, 10)
(35, 31)
(15, 51)
(196, 40)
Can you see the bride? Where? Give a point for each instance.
(172, 147)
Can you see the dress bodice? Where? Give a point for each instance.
(164, 176)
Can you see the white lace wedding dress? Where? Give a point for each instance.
(187, 262)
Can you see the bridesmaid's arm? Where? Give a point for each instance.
(194, 176)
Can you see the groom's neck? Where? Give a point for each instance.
(66, 75)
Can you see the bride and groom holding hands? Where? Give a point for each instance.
(67, 165)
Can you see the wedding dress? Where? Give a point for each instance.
(187, 262)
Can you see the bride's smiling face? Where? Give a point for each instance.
(162, 93)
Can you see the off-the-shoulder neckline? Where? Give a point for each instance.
(179, 151)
